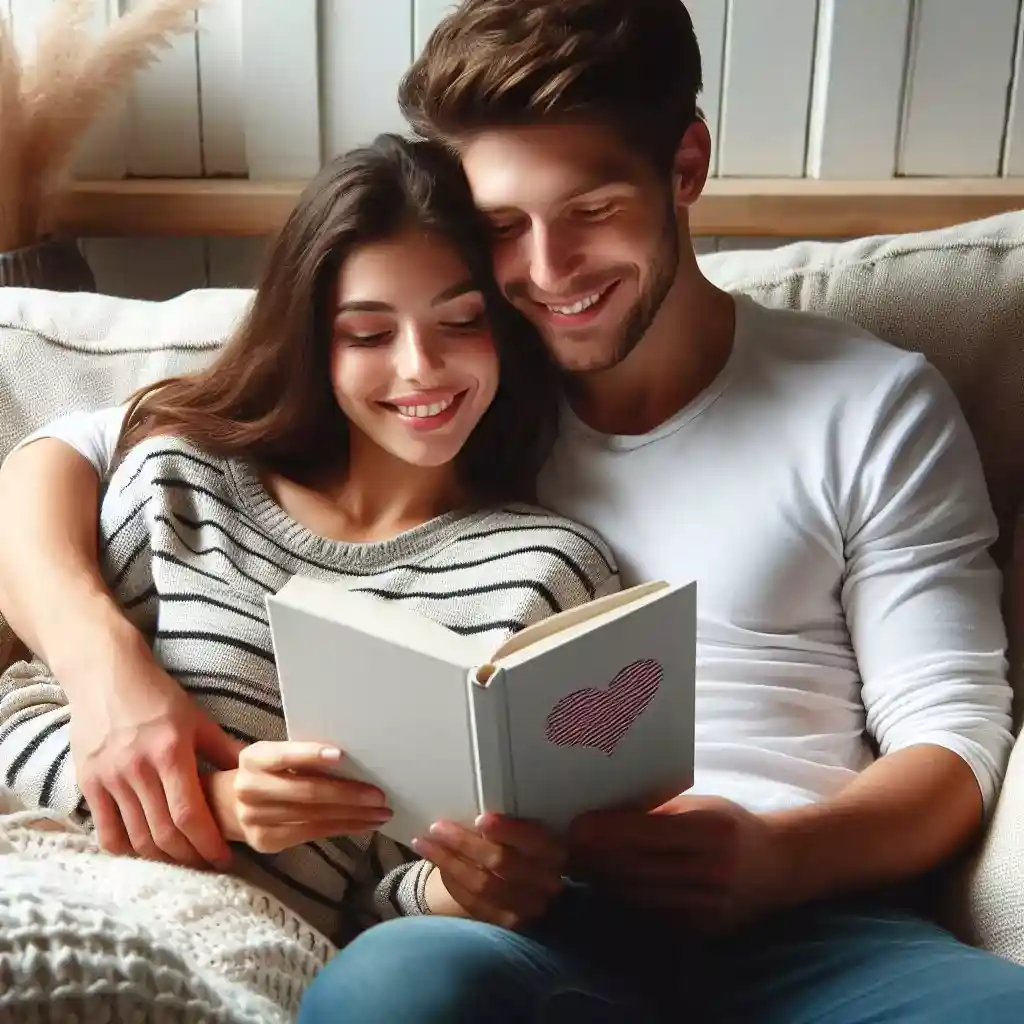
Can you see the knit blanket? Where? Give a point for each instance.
(86, 936)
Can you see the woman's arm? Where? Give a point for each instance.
(135, 733)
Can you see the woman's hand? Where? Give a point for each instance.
(281, 796)
(505, 872)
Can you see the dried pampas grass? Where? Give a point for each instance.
(50, 99)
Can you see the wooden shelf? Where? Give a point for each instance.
(783, 208)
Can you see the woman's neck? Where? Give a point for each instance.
(375, 498)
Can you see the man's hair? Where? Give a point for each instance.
(631, 65)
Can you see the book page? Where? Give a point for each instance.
(563, 626)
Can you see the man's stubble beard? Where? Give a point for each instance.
(662, 268)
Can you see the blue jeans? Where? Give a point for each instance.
(588, 965)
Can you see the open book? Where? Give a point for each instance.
(588, 709)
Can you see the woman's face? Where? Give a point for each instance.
(413, 364)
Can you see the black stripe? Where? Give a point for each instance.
(214, 550)
(557, 526)
(33, 745)
(125, 522)
(148, 594)
(176, 452)
(215, 638)
(487, 588)
(131, 560)
(223, 530)
(242, 698)
(166, 556)
(203, 599)
(352, 571)
(266, 864)
(51, 776)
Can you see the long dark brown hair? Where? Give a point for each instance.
(268, 396)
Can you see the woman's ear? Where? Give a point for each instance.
(691, 165)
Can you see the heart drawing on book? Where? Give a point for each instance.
(601, 718)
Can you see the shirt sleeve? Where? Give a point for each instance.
(921, 592)
(94, 435)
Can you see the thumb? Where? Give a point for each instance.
(220, 749)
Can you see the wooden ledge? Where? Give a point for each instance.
(752, 207)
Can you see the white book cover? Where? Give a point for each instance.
(588, 709)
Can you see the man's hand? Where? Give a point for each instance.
(280, 797)
(504, 871)
(705, 859)
(135, 743)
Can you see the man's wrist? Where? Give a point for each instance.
(437, 898)
(92, 645)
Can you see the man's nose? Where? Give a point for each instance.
(553, 260)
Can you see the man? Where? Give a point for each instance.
(820, 485)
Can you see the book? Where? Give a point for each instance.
(589, 709)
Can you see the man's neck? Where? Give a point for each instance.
(683, 351)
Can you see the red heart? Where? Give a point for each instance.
(600, 718)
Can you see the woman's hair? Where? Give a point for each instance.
(268, 396)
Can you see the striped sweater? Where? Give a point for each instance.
(191, 545)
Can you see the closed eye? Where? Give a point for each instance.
(472, 324)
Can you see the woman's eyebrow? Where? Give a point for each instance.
(455, 290)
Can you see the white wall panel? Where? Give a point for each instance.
(366, 48)
(221, 102)
(709, 18)
(858, 88)
(769, 53)
(425, 16)
(961, 66)
(162, 120)
(281, 87)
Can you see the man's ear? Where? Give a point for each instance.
(691, 164)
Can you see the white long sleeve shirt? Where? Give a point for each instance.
(827, 496)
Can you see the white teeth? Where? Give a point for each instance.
(424, 411)
(577, 307)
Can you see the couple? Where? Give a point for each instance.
(822, 487)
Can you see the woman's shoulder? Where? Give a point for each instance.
(547, 535)
(168, 458)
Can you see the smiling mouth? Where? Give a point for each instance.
(425, 411)
(580, 306)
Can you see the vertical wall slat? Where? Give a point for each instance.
(769, 54)
(957, 87)
(221, 103)
(708, 18)
(366, 51)
(425, 16)
(103, 153)
(163, 113)
(281, 88)
(1013, 163)
(858, 88)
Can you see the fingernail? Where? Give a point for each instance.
(330, 753)
(443, 829)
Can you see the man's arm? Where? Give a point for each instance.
(921, 597)
(134, 731)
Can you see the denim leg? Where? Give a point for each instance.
(576, 968)
(859, 967)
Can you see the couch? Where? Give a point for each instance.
(957, 295)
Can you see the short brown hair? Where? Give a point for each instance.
(268, 395)
(633, 65)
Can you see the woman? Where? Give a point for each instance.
(379, 417)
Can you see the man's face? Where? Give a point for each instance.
(586, 240)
